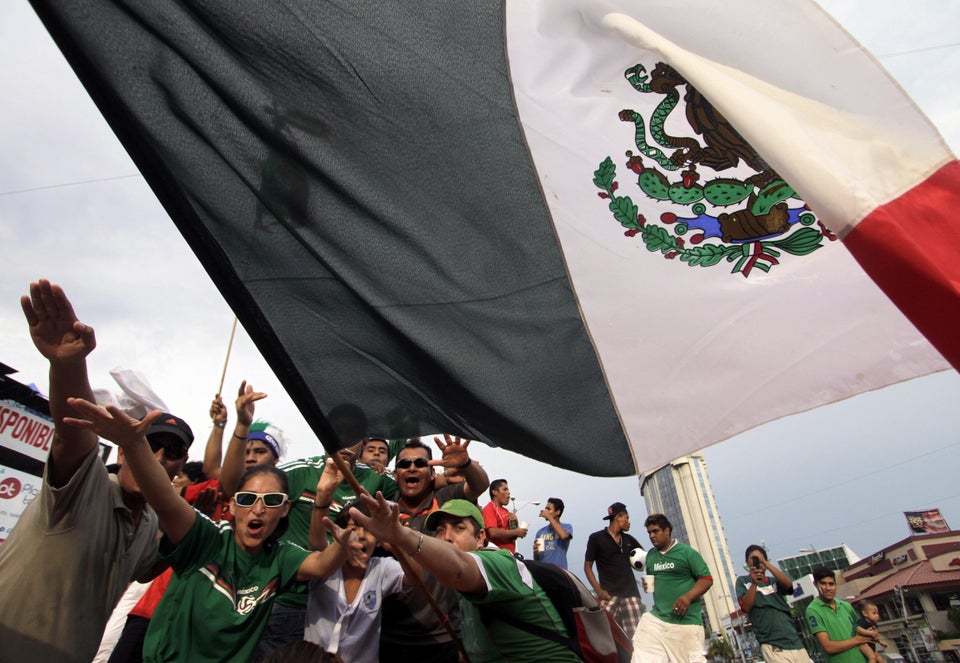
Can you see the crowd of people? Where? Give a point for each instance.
(243, 557)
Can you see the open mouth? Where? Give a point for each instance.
(411, 483)
(255, 527)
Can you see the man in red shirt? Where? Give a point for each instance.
(501, 524)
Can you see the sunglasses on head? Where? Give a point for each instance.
(246, 498)
(416, 462)
(171, 449)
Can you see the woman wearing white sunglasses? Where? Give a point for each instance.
(225, 579)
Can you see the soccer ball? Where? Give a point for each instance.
(638, 558)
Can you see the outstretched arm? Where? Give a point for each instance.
(451, 566)
(65, 342)
(176, 516)
(234, 459)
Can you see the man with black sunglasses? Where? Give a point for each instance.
(411, 630)
(88, 533)
(414, 472)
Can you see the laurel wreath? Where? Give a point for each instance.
(752, 255)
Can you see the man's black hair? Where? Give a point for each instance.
(557, 505)
(416, 444)
(194, 471)
(495, 486)
(822, 572)
(659, 520)
(344, 516)
(754, 548)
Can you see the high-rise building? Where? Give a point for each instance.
(681, 491)
(803, 563)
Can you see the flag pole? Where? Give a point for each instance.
(223, 376)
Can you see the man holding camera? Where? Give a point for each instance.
(762, 598)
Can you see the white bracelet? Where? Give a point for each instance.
(419, 546)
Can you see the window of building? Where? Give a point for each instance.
(913, 605)
(945, 600)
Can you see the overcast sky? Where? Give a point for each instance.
(74, 209)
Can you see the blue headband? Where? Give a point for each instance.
(267, 439)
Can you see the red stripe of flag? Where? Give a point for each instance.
(909, 248)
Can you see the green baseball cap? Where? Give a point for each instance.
(458, 508)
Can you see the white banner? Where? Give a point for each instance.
(25, 432)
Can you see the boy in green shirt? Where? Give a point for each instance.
(833, 622)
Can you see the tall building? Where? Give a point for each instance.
(681, 491)
(836, 559)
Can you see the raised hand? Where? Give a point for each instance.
(54, 327)
(347, 538)
(384, 519)
(110, 422)
(246, 397)
(453, 451)
(207, 501)
(218, 411)
(330, 478)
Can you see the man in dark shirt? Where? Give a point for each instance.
(610, 548)
(411, 630)
(762, 598)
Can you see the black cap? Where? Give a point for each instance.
(614, 509)
(168, 423)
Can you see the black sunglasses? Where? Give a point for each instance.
(416, 462)
(172, 450)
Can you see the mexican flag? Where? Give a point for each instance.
(600, 234)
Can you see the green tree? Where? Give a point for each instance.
(720, 650)
(953, 614)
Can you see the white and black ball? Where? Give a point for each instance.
(638, 559)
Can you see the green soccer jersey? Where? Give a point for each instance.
(771, 616)
(220, 596)
(676, 571)
(303, 475)
(839, 624)
(515, 594)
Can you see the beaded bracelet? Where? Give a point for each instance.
(419, 545)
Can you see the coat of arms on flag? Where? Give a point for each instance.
(747, 215)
